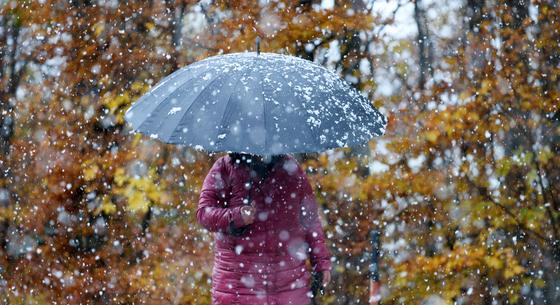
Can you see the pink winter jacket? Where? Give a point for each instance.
(267, 263)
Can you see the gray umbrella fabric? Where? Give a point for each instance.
(262, 104)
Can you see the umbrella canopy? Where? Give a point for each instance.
(258, 103)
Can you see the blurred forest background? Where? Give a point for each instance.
(464, 187)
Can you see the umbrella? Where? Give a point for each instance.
(258, 103)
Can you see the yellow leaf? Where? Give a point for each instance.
(91, 172)
(120, 177)
(137, 201)
(494, 262)
(98, 28)
(107, 207)
(139, 86)
(150, 26)
(432, 135)
(512, 271)
(485, 86)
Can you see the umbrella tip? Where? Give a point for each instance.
(258, 43)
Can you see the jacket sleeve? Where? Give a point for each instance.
(212, 212)
(319, 253)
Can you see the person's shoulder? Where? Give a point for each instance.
(224, 159)
(290, 158)
(222, 162)
(222, 167)
(291, 165)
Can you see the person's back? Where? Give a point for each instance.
(266, 262)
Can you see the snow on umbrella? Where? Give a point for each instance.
(258, 103)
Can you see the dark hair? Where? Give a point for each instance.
(255, 162)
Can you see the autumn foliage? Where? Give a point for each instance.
(464, 187)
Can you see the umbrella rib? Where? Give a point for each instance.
(345, 119)
(316, 137)
(171, 77)
(222, 121)
(196, 99)
(375, 117)
(166, 98)
(264, 109)
(157, 108)
(352, 128)
(168, 78)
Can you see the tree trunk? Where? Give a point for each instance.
(9, 58)
(425, 48)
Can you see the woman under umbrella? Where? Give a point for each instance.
(263, 104)
(265, 217)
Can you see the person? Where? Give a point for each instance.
(265, 218)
